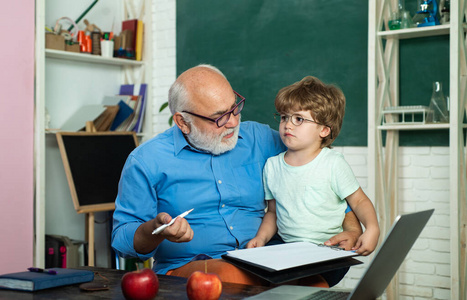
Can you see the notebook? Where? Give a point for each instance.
(387, 260)
(33, 281)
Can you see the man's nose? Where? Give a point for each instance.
(233, 121)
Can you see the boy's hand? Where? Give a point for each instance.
(345, 239)
(367, 242)
(255, 243)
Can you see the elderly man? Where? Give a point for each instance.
(209, 161)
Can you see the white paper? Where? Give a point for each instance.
(289, 255)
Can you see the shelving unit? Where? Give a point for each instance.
(383, 90)
(64, 82)
(72, 56)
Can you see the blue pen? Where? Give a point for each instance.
(39, 270)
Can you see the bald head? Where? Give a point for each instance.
(198, 86)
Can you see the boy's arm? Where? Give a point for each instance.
(267, 229)
(366, 213)
(352, 231)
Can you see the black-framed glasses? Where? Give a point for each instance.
(225, 117)
(297, 120)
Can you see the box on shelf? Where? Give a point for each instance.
(54, 41)
(72, 48)
(412, 114)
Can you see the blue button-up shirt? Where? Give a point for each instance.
(165, 174)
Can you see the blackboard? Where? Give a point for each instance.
(264, 45)
(93, 163)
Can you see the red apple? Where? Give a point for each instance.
(203, 286)
(140, 285)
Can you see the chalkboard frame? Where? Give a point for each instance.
(75, 147)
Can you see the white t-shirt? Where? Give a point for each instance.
(310, 199)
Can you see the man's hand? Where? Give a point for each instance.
(145, 242)
(180, 231)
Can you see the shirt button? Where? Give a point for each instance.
(223, 205)
(231, 227)
(220, 181)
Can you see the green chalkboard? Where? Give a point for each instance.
(264, 45)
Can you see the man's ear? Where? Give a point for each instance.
(325, 131)
(181, 123)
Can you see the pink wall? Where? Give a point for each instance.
(16, 135)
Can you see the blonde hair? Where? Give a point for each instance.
(325, 102)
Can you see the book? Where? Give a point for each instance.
(114, 99)
(289, 261)
(123, 113)
(129, 28)
(105, 120)
(139, 40)
(141, 90)
(34, 281)
(130, 122)
(85, 113)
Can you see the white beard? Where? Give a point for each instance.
(211, 142)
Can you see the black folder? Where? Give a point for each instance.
(310, 265)
(278, 277)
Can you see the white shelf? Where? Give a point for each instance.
(74, 56)
(415, 32)
(65, 81)
(383, 158)
(416, 126)
(50, 131)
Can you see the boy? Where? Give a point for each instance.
(306, 187)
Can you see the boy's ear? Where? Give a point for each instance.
(181, 123)
(325, 131)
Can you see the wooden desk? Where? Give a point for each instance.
(170, 287)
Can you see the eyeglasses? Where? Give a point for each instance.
(297, 120)
(224, 118)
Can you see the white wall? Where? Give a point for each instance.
(423, 183)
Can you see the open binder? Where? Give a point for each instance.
(281, 263)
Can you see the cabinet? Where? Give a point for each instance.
(64, 82)
(383, 91)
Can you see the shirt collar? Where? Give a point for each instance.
(180, 142)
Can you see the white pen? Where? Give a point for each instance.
(160, 228)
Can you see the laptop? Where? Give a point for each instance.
(387, 260)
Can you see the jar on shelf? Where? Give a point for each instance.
(438, 105)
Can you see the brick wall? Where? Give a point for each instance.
(423, 183)
(164, 58)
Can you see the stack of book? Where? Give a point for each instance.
(122, 112)
(131, 109)
(130, 41)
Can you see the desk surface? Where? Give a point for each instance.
(170, 287)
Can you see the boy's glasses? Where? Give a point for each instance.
(224, 118)
(297, 120)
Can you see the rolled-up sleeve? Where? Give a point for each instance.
(136, 203)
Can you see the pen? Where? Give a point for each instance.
(39, 270)
(335, 247)
(159, 229)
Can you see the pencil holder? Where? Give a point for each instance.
(107, 48)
